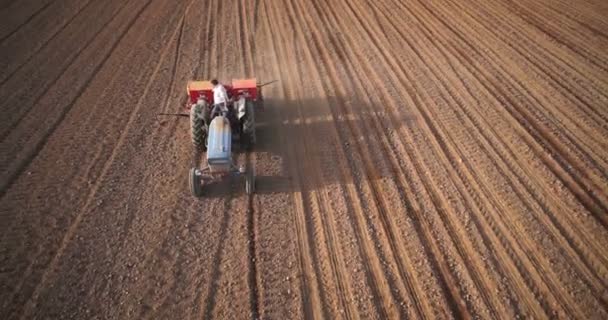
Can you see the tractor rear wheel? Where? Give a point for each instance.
(198, 127)
(195, 182)
(248, 132)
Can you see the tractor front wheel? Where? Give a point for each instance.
(195, 182)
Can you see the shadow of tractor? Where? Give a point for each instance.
(301, 136)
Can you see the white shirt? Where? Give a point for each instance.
(219, 94)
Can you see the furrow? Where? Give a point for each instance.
(30, 95)
(313, 302)
(441, 263)
(74, 225)
(591, 118)
(253, 212)
(27, 20)
(435, 133)
(7, 74)
(377, 284)
(405, 278)
(586, 14)
(460, 250)
(520, 178)
(317, 203)
(536, 137)
(549, 124)
(578, 43)
(452, 227)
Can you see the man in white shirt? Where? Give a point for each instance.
(220, 98)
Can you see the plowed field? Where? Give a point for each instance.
(416, 159)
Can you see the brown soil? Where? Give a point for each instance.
(435, 159)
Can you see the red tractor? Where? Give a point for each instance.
(215, 132)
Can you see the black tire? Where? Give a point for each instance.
(248, 136)
(245, 142)
(195, 182)
(198, 127)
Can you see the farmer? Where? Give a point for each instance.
(220, 99)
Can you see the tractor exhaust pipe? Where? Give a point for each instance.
(175, 114)
(266, 83)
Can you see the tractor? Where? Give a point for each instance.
(215, 133)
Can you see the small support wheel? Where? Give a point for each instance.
(195, 182)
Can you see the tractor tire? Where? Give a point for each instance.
(198, 127)
(195, 182)
(248, 135)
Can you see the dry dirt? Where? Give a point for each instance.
(421, 159)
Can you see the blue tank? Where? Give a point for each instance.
(219, 145)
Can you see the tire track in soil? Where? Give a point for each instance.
(176, 61)
(213, 289)
(151, 302)
(367, 266)
(453, 286)
(590, 16)
(548, 223)
(548, 28)
(8, 235)
(228, 64)
(74, 225)
(344, 139)
(449, 224)
(6, 76)
(314, 205)
(211, 40)
(536, 139)
(582, 153)
(197, 271)
(27, 20)
(530, 190)
(253, 257)
(220, 253)
(313, 303)
(491, 204)
(565, 85)
(469, 200)
(247, 69)
(16, 170)
(17, 96)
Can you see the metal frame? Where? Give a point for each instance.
(205, 172)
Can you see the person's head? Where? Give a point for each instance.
(214, 82)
